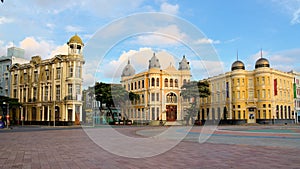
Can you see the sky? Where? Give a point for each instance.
(212, 34)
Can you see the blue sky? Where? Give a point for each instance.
(43, 27)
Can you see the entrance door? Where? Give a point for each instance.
(171, 112)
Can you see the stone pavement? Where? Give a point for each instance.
(72, 148)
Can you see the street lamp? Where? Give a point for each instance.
(22, 115)
(7, 113)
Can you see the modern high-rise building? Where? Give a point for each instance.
(14, 55)
(159, 91)
(49, 90)
(263, 95)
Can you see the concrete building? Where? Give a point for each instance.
(159, 91)
(263, 95)
(14, 55)
(50, 90)
(90, 107)
(296, 96)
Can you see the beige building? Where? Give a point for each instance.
(50, 90)
(263, 95)
(159, 91)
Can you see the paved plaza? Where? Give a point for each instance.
(227, 147)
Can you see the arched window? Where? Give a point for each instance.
(166, 82)
(171, 82)
(184, 81)
(157, 82)
(171, 98)
(152, 81)
(176, 83)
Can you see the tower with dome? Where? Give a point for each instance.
(159, 91)
(50, 89)
(263, 95)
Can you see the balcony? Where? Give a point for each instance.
(75, 98)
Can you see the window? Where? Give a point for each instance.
(15, 93)
(57, 92)
(70, 70)
(135, 86)
(258, 94)
(157, 82)
(143, 83)
(78, 72)
(184, 81)
(34, 94)
(153, 97)
(46, 93)
(250, 82)
(152, 81)
(25, 78)
(15, 79)
(70, 89)
(176, 82)
(77, 90)
(153, 113)
(171, 82)
(263, 93)
(157, 96)
(36, 76)
(58, 73)
(263, 80)
(139, 84)
(47, 75)
(171, 98)
(166, 82)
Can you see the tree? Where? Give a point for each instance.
(192, 91)
(113, 95)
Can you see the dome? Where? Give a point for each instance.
(128, 70)
(75, 39)
(184, 64)
(262, 62)
(237, 65)
(154, 62)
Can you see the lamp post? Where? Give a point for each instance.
(7, 114)
(22, 115)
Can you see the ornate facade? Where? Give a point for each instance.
(263, 95)
(159, 91)
(50, 90)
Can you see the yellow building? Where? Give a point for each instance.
(159, 91)
(49, 90)
(263, 95)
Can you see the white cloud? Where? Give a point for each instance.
(138, 58)
(168, 35)
(204, 68)
(60, 50)
(50, 25)
(281, 60)
(74, 29)
(4, 20)
(207, 41)
(291, 7)
(34, 47)
(169, 8)
(296, 17)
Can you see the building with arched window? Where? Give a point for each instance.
(159, 91)
(263, 95)
(50, 90)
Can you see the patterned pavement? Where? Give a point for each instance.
(72, 148)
